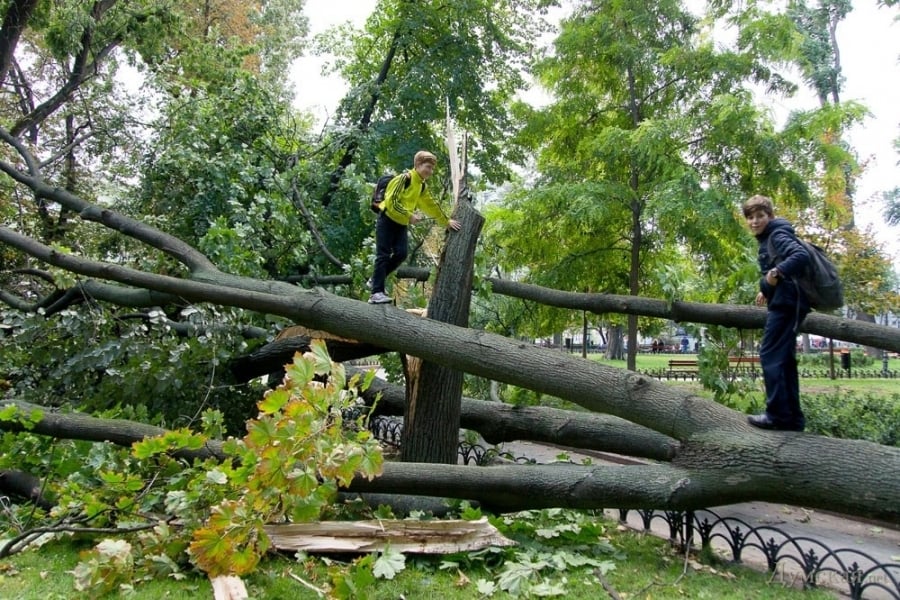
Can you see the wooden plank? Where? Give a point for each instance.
(422, 537)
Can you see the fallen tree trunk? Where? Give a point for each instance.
(718, 448)
(726, 315)
(498, 423)
(724, 465)
(800, 470)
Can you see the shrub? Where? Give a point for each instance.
(843, 414)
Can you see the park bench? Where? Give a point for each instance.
(682, 369)
(677, 363)
(743, 362)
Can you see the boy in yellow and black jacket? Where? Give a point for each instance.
(405, 194)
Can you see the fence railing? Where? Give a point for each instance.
(814, 563)
(807, 373)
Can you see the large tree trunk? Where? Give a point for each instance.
(615, 350)
(726, 464)
(431, 420)
(498, 423)
(727, 467)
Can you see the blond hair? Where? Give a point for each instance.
(424, 156)
(758, 202)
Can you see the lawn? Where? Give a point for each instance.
(881, 387)
(645, 567)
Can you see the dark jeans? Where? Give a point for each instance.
(778, 359)
(391, 247)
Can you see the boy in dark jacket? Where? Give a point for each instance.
(787, 307)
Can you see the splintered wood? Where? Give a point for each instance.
(422, 537)
(229, 587)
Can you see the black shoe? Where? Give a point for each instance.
(764, 421)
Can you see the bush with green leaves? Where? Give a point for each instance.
(849, 415)
(858, 358)
(98, 361)
(166, 514)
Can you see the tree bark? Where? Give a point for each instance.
(727, 467)
(727, 464)
(431, 419)
(18, 13)
(498, 423)
(79, 426)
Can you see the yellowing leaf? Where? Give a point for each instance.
(300, 371)
(244, 560)
(274, 401)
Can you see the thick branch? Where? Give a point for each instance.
(18, 12)
(728, 315)
(783, 477)
(174, 247)
(720, 467)
(82, 68)
(78, 426)
(364, 122)
(497, 423)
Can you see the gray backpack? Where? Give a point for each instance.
(820, 281)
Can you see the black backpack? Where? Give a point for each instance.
(820, 281)
(381, 186)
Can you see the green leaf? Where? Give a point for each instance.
(274, 401)
(389, 563)
(319, 353)
(300, 372)
(515, 577)
(485, 587)
(217, 477)
(9, 412)
(36, 415)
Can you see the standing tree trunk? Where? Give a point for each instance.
(614, 345)
(434, 392)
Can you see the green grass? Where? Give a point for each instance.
(647, 362)
(808, 385)
(647, 567)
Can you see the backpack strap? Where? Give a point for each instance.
(773, 256)
(407, 181)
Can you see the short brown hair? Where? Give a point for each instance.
(424, 156)
(757, 202)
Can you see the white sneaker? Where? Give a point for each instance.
(369, 284)
(380, 298)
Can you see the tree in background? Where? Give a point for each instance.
(651, 140)
(864, 264)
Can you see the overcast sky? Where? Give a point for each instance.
(869, 42)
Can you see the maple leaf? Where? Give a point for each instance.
(389, 563)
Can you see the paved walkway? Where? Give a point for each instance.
(811, 529)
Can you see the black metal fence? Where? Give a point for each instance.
(814, 563)
(753, 374)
